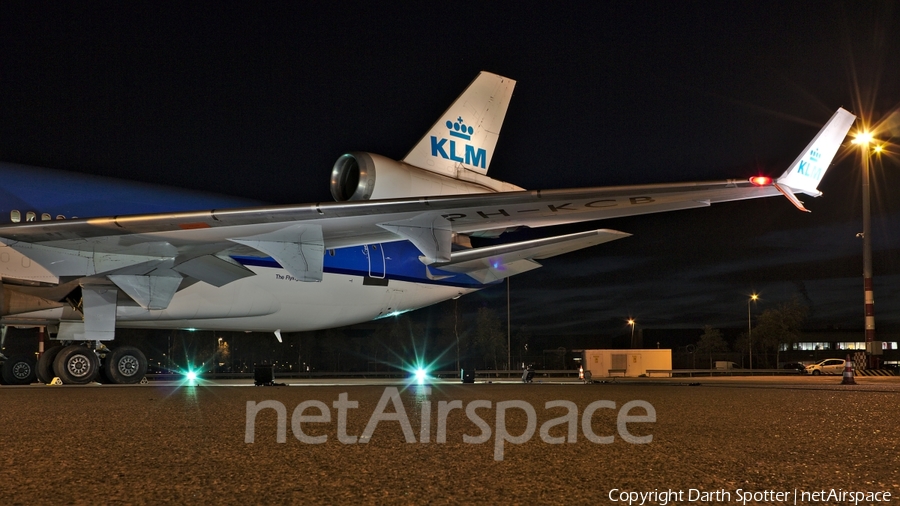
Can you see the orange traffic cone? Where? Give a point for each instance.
(848, 372)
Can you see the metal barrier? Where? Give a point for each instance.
(671, 373)
(479, 373)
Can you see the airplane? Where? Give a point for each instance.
(83, 255)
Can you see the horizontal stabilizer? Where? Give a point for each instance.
(499, 262)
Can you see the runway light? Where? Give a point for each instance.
(761, 180)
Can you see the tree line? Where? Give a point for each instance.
(775, 327)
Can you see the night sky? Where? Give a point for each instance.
(259, 99)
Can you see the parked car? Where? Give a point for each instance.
(827, 366)
(795, 366)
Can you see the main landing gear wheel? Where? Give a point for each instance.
(125, 365)
(77, 365)
(19, 370)
(45, 372)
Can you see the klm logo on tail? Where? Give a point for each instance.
(810, 167)
(448, 149)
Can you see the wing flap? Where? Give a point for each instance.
(150, 292)
(431, 233)
(214, 270)
(498, 262)
(299, 249)
(489, 274)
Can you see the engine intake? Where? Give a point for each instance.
(353, 177)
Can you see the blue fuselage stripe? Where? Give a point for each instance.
(395, 261)
(38, 191)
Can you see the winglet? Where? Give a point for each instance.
(465, 136)
(806, 172)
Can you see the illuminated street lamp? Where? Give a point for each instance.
(631, 322)
(752, 298)
(864, 139)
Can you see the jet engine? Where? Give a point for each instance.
(365, 176)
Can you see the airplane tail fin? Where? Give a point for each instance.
(465, 136)
(806, 172)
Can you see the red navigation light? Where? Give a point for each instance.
(761, 180)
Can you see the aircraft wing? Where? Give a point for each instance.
(365, 222)
(151, 253)
(199, 243)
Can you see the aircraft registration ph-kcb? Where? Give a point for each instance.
(84, 255)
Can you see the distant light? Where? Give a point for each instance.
(878, 149)
(862, 138)
(630, 321)
(754, 296)
(191, 376)
(761, 180)
(421, 374)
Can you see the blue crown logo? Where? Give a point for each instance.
(459, 129)
(814, 155)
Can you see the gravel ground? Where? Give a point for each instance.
(169, 444)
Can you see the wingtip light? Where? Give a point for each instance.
(761, 180)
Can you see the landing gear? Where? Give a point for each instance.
(125, 365)
(77, 360)
(19, 370)
(45, 373)
(76, 364)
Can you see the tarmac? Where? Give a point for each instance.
(713, 440)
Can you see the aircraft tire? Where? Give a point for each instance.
(125, 365)
(44, 370)
(77, 365)
(19, 370)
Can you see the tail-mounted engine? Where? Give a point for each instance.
(365, 176)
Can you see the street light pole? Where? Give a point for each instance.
(508, 331)
(863, 139)
(868, 287)
(631, 322)
(752, 298)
